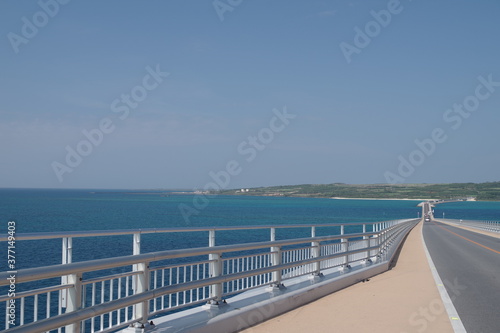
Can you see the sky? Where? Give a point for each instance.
(239, 93)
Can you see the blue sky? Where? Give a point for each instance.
(354, 121)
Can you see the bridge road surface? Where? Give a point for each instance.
(469, 266)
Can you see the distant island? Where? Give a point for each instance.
(462, 191)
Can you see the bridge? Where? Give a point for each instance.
(467, 256)
(228, 288)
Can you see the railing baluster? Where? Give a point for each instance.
(184, 292)
(155, 281)
(127, 285)
(92, 303)
(119, 314)
(47, 311)
(35, 308)
(163, 285)
(7, 315)
(198, 278)
(176, 282)
(102, 301)
(21, 319)
(233, 267)
(110, 299)
(191, 279)
(170, 283)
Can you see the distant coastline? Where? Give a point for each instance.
(418, 199)
(453, 191)
(339, 191)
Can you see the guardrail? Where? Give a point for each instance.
(153, 283)
(493, 226)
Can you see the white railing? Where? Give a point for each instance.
(148, 284)
(493, 226)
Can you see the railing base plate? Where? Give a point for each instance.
(214, 305)
(139, 328)
(276, 287)
(366, 262)
(345, 268)
(316, 277)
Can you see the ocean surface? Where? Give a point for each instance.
(38, 210)
(76, 210)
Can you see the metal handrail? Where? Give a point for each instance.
(386, 232)
(110, 277)
(46, 272)
(118, 232)
(493, 226)
(36, 291)
(157, 268)
(96, 310)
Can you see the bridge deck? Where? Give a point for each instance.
(479, 231)
(470, 263)
(404, 299)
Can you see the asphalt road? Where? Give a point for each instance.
(427, 208)
(469, 266)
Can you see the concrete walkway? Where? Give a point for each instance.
(402, 300)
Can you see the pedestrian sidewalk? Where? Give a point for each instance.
(403, 300)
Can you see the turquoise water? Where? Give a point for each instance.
(58, 210)
(76, 210)
(73, 210)
(469, 210)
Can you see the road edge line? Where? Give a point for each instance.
(456, 322)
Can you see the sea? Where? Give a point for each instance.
(49, 210)
(55, 210)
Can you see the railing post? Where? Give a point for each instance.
(377, 240)
(67, 258)
(316, 249)
(142, 285)
(74, 300)
(366, 239)
(136, 244)
(215, 270)
(136, 249)
(345, 247)
(315, 253)
(382, 239)
(275, 261)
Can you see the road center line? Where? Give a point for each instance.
(487, 248)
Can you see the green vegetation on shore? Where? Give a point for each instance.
(482, 191)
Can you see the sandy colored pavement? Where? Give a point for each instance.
(402, 300)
